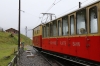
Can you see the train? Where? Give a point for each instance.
(74, 36)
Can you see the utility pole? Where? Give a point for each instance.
(79, 4)
(26, 31)
(19, 25)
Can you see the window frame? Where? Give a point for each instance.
(44, 31)
(47, 30)
(54, 34)
(86, 23)
(67, 18)
(51, 29)
(33, 32)
(97, 20)
(58, 26)
(74, 24)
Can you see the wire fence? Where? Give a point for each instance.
(16, 58)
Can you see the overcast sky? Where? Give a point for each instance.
(32, 11)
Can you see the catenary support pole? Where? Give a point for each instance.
(79, 4)
(19, 25)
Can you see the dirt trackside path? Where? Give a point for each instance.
(36, 60)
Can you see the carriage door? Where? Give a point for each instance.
(81, 30)
(72, 38)
(93, 39)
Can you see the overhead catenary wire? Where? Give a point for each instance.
(51, 6)
(75, 7)
(28, 13)
(84, 1)
(54, 3)
(58, 2)
(68, 10)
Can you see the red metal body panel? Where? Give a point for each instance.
(66, 46)
(63, 45)
(53, 44)
(94, 47)
(81, 46)
(82, 50)
(73, 48)
(45, 44)
(37, 41)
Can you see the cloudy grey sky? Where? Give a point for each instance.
(32, 11)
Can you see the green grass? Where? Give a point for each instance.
(5, 62)
(8, 45)
(26, 40)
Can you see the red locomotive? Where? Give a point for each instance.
(74, 35)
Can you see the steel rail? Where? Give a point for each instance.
(67, 59)
(43, 57)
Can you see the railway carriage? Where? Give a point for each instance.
(76, 34)
(37, 37)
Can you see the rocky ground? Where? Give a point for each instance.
(36, 60)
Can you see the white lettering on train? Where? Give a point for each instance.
(76, 43)
(63, 43)
(53, 42)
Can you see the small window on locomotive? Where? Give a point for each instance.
(44, 31)
(54, 28)
(47, 30)
(65, 25)
(72, 25)
(33, 32)
(93, 20)
(59, 28)
(81, 22)
(51, 30)
(37, 31)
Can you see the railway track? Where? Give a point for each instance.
(56, 61)
(62, 62)
(52, 59)
(48, 59)
(66, 62)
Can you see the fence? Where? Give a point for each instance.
(16, 58)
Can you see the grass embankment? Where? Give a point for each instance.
(8, 45)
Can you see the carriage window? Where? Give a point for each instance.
(51, 30)
(37, 31)
(59, 28)
(72, 25)
(81, 22)
(93, 20)
(54, 28)
(33, 32)
(47, 30)
(44, 31)
(65, 26)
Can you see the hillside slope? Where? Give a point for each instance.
(8, 45)
(6, 38)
